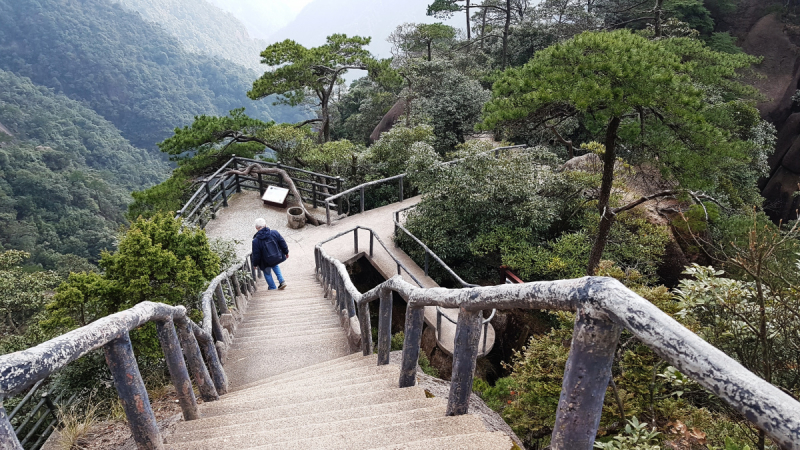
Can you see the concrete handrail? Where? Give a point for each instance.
(603, 307)
(22, 369)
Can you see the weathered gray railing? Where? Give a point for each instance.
(203, 347)
(430, 254)
(217, 188)
(603, 307)
(361, 188)
(24, 368)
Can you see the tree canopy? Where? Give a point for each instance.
(297, 72)
(672, 103)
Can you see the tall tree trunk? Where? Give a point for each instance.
(657, 20)
(606, 215)
(469, 35)
(505, 33)
(483, 26)
(326, 121)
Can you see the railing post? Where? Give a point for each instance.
(280, 178)
(384, 326)
(366, 329)
(427, 264)
(465, 353)
(260, 185)
(401, 189)
(224, 192)
(314, 194)
(328, 212)
(371, 239)
(7, 435)
(132, 393)
(586, 377)
(338, 191)
(355, 241)
(177, 368)
(212, 357)
(216, 327)
(236, 175)
(362, 199)
(221, 301)
(415, 316)
(194, 359)
(438, 324)
(396, 221)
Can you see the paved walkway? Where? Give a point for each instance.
(293, 380)
(236, 222)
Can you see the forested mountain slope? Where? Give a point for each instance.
(65, 175)
(202, 28)
(128, 70)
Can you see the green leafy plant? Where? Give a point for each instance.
(636, 437)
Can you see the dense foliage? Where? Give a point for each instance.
(66, 174)
(129, 71)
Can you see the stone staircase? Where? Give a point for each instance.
(294, 384)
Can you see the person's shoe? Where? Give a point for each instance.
(282, 285)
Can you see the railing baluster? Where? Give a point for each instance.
(314, 194)
(427, 258)
(222, 303)
(194, 361)
(586, 377)
(132, 393)
(7, 435)
(384, 326)
(371, 239)
(415, 316)
(465, 353)
(355, 241)
(401, 189)
(211, 354)
(366, 329)
(177, 368)
(362, 200)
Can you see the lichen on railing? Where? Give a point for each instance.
(603, 307)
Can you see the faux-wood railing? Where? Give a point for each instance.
(603, 307)
(216, 189)
(178, 335)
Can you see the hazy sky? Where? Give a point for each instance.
(263, 17)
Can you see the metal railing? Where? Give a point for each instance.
(361, 188)
(603, 307)
(33, 422)
(430, 254)
(190, 352)
(217, 188)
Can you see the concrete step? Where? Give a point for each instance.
(254, 434)
(393, 434)
(248, 364)
(333, 378)
(277, 346)
(232, 426)
(342, 400)
(268, 336)
(278, 329)
(333, 364)
(299, 322)
(274, 418)
(475, 441)
(300, 393)
(269, 311)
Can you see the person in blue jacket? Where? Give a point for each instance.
(269, 250)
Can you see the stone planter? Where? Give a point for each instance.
(297, 218)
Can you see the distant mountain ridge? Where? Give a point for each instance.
(202, 28)
(128, 70)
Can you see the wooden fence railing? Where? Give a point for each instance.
(603, 307)
(203, 347)
(216, 189)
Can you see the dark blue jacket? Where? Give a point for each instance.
(269, 249)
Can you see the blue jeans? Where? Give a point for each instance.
(268, 276)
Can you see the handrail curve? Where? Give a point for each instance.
(603, 307)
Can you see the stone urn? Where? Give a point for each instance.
(297, 218)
